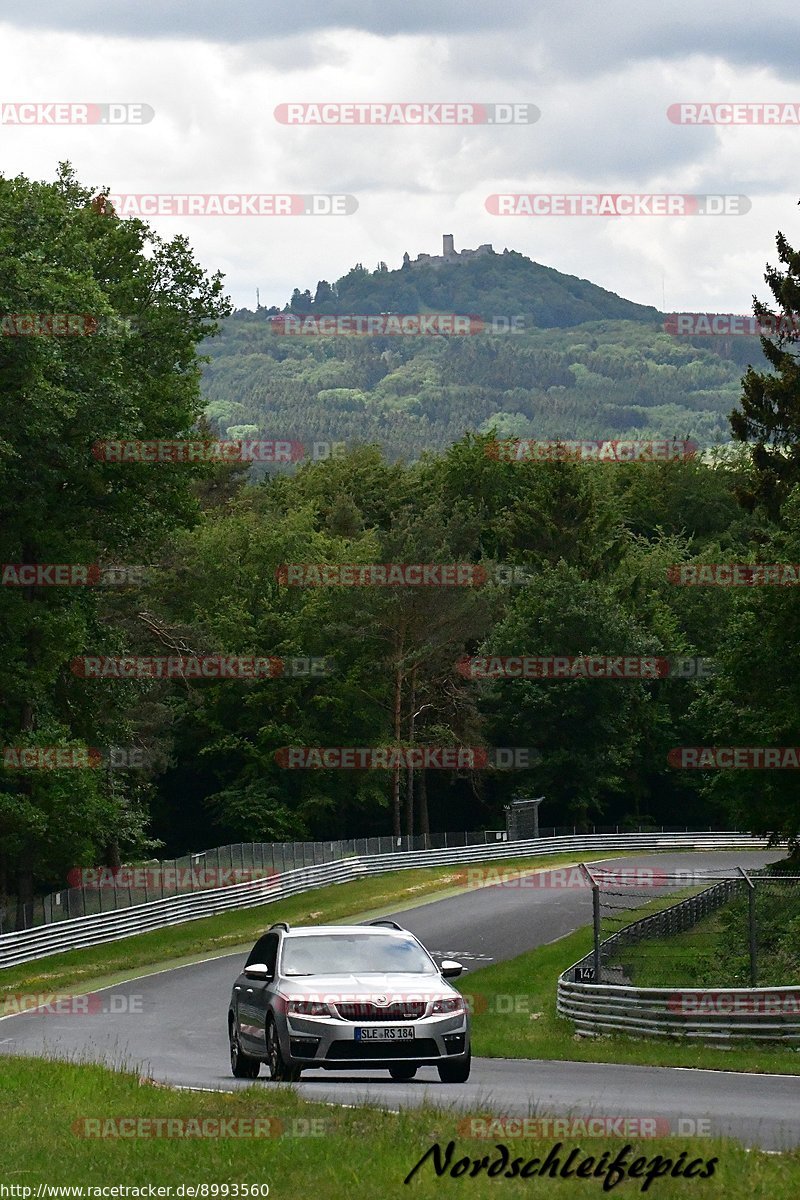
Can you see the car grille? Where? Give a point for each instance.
(409, 1010)
(413, 1048)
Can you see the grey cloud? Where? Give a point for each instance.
(256, 20)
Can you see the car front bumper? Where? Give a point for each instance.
(330, 1043)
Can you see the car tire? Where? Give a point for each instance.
(403, 1072)
(243, 1066)
(279, 1069)
(455, 1072)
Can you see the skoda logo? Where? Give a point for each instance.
(381, 1001)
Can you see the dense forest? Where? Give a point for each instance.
(596, 545)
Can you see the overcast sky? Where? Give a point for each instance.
(602, 75)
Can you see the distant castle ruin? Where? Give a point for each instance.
(449, 254)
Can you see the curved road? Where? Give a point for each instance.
(171, 1027)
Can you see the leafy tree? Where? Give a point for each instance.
(62, 252)
(593, 734)
(754, 700)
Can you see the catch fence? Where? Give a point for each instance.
(695, 929)
(91, 891)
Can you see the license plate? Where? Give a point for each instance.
(394, 1033)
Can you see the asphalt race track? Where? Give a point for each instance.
(172, 1027)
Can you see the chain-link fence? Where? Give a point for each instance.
(696, 929)
(93, 890)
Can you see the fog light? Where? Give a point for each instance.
(303, 1047)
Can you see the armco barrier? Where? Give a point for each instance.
(26, 945)
(711, 1015)
(714, 1015)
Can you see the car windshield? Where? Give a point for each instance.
(362, 953)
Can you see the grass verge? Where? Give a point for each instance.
(310, 1149)
(715, 952)
(514, 1016)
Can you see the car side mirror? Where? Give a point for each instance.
(258, 971)
(449, 969)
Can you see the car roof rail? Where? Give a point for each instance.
(386, 921)
(278, 925)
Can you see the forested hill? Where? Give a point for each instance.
(567, 359)
(497, 285)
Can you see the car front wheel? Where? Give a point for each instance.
(279, 1069)
(242, 1065)
(455, 1072)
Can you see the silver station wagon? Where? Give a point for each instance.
(346, 997)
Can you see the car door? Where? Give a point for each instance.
(253, 995)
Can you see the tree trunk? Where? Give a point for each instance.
(25, 870)
(422, 803)
(398, 693)
(111, 858)
(410, 771)
(24, 898)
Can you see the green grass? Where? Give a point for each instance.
(715, 951)
(192, 941)
(347, 1154)
(527, 986)
(690, 959)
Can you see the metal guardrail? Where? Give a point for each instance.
(720, 1015)
(715, 1015)
(80, 932)
(95, 890)
(99, 889)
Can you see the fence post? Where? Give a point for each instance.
(751, 924)
(595, 919)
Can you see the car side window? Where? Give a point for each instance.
(265, 951)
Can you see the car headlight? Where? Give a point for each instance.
(453, 1004)
(307, 1008)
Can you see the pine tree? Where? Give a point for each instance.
(770, 405)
